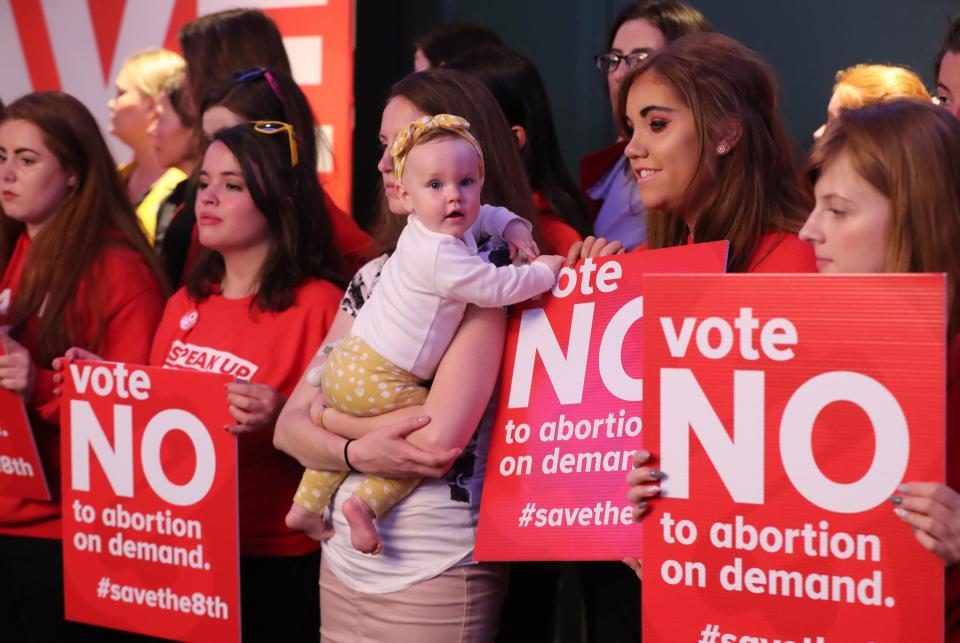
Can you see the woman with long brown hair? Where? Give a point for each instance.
(711, 156)
(77, 271)
(420, 587)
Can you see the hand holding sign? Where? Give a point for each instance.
(933, 509)
(785, 411)
(16, 367)
(254, 406)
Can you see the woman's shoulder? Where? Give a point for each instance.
(124, 267)
(783, 252)
(318, 292)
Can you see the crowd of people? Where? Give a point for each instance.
(217, 232)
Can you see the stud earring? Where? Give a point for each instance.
(722, 149)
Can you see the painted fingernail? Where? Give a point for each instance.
(652, 490)
(897, 500)
(641, 506)
(904, 488)
(901, 512)
(656, 474)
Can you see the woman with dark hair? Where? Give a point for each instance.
(641, 28)
(443, 44)
(262, 291)
(77, 271)
(516, 84)
(219, 44)
(420, 587)
(265, 94)
(711, 156)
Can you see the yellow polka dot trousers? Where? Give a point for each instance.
(359, 381)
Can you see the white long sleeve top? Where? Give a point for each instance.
(427, 283)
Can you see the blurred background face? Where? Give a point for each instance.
(849, 223)
(172, 141)
(633, 36)
(130, 111)
(398, 113)
(948, 83)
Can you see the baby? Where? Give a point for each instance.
(402, 332)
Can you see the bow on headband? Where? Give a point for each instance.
(409, 135)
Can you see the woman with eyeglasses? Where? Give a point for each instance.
(76, 270)
(177, 145)
(641, 28)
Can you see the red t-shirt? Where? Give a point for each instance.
(778, 252)
(131, 302)
(783, 252)
(266, 348)
(557, 235)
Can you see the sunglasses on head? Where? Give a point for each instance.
(247, 75)
(275, 127)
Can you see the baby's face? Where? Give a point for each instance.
(442, 185)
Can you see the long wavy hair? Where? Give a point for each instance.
(757, 187)
(96, 213)
(300, 244)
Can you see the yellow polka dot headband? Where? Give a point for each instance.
(408, 136)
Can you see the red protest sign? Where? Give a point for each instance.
(150, 538)
(785, 410)
(569, 414)
(21, 472)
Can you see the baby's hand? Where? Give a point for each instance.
(519, 239)
(553, 262)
